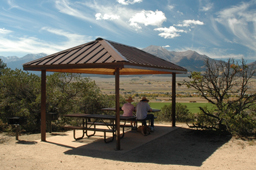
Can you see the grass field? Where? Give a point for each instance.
(193, 107)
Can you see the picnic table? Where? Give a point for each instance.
(140, 120)
(93, 122)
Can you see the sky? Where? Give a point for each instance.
(220, 29)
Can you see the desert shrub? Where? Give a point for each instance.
(243, 124)
(217, 84)
(3, 126)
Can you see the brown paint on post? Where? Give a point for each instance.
(117, 109)
(173, 98)
(43, 105)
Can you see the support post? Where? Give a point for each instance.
(17, 132)
(43, 105)
(173, 98)
(117, 109)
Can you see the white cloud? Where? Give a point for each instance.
(30, 44)
(215, 53)
(72, 39)
(221, 56)
(12, 4)
(147, 18)
(181, 13)
(187, 23)
(170, 7)
(127, 2)
(65, 7)
(4, 31)
(170, 32)
(207, 7)
(99, 16)
(241, 23)
(114, 16)
(166, 46)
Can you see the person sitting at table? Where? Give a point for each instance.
(142, 109)
(128, 108)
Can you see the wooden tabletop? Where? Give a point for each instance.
(98, 116)
(114, 109)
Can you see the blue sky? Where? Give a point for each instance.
(217, 28)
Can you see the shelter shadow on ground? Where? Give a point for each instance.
(179, 147)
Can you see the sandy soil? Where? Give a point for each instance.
(181, 148)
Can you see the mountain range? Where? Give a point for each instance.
(191, 60)
(14, 62)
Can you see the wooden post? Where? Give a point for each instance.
(117, 109)
(173, 98)
(17, 131)
(43, 105)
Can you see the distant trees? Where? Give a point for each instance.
(217, 84)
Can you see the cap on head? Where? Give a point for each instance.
(144, 99)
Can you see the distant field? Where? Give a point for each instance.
(193, 107)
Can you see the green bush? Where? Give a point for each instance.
(204, 121)
(243, 124)
(182, 113)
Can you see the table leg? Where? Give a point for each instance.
(86, 125)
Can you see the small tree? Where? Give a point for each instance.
(2, 66)
(19, 96)
(217, 84)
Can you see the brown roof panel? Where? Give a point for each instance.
(65, 57)
(109, 60)
(56, 58)
(134, 55)
(78, 53)
(85, 51)
(100, 54)
(103, 58)
(92, 53)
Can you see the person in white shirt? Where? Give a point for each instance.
(142, 109)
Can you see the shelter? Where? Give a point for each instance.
(102, 57)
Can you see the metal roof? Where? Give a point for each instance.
(103, 57)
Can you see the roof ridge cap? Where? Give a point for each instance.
(107, 45)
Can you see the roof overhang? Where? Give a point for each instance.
(105, 69)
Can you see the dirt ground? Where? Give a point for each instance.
(181, 149)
